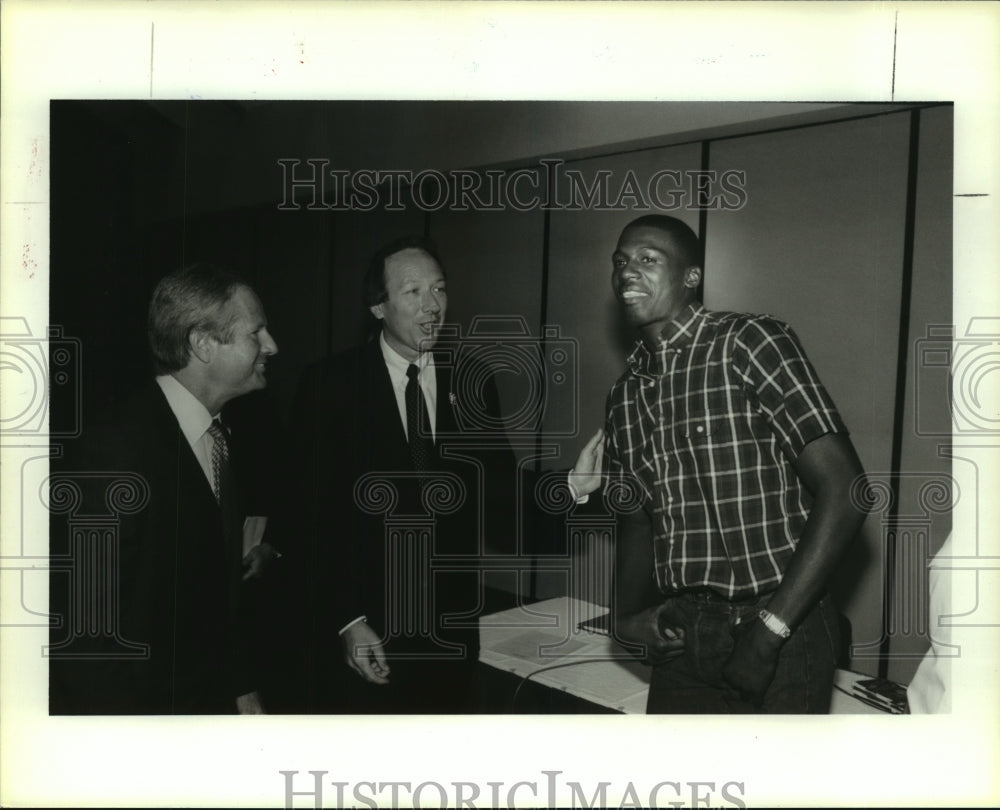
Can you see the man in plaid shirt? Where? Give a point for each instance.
(741, 471)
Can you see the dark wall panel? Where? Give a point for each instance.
(494, 262)
(820, 244)
(356, 236)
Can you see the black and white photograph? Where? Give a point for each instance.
(475, 440)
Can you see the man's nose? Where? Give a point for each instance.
(628, 270)
(431, 303)
(268, 346)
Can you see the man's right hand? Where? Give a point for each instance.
(364, 654)
(656, 631)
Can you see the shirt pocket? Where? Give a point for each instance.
(700, 442)
(711, 420)
(702, 427)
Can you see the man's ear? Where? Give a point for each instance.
(692, 277)
(377, 311)
(201, 344)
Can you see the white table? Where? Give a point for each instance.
(542, 640)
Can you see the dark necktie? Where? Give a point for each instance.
(228, 498)
(220, 459)
(418, 428)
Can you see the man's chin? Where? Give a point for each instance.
(633, 317)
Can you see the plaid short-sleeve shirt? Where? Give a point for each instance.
(709, 425)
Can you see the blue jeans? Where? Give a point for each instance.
(692, 683)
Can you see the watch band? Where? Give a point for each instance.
(774, 624)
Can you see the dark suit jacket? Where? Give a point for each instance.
(179, 583)
(345, 425)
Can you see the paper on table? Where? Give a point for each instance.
(605, 682)
(536, 645)
(253, 531)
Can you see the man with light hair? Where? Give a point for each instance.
(181, 561)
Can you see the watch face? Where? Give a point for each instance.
(774, 624)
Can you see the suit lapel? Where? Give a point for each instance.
(446, 424)
(380, 411)
(189, 472)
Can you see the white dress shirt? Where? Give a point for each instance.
(194, 420)
(397, 365)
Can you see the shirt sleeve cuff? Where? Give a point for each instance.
(343, 629)
(574, 494)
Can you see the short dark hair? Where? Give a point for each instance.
(193, 297)
(373, 287)
(678, 230)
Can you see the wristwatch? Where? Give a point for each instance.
(774, 624)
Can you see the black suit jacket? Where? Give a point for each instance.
(345, 431)
(179, 583)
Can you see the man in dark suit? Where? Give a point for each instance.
(181, 555)
(381, 419)
(400, 478)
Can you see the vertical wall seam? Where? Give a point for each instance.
(543, 306)
(899, 400)
(706, 149)
(543, 314)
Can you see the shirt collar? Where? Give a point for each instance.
(675, 335)
(193, 417)
(396, 362)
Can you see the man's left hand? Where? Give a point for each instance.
(257, 560)
(753, 662)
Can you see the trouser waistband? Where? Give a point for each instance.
(706, 596)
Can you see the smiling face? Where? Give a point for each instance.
(652, 281)
(416, 301)
(238, 365)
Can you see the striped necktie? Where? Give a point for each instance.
(220, 458)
